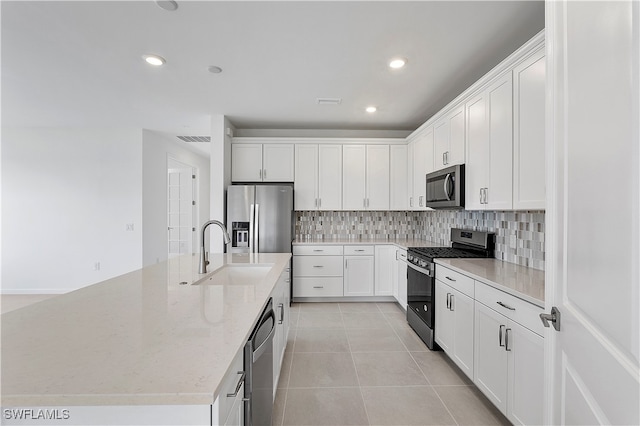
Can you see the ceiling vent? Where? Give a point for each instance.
(329, 101)
(195, 138)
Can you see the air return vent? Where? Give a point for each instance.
(195, 138)
(329, 101)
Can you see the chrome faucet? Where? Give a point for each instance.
(204, 256)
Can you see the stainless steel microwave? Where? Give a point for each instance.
(445, 188)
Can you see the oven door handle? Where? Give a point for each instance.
(419, 269)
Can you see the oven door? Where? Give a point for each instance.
(421, 292)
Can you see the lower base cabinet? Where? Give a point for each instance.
(400, 282)
(509, 366)
(281, 306)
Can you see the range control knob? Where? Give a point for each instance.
(422, 263)
(410, 257)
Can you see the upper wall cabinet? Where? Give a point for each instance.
(318, 177)
(262, 162)
(399, 177)
(448, 134)
(365, 177)
(529, 132)
(421, 159)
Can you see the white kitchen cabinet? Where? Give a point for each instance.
(358, 275)
(281, 299)
(318, 177)
(400, 284)
(454, 325)
(509, 366)
(411, 203)
(236, 412)
(422, 164)
(489, 147)
(318, 271)
(262, 162)
(399, 177)
(365, 183)
(449, 138)
(228, 408)
(385, 257)
(529, 132)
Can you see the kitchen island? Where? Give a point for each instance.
(160, 336)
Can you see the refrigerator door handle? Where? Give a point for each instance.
(251, 226)
(257, 230)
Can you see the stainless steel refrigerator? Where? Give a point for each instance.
(260, 218)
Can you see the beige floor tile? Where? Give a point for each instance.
(319, 307)
(366, 307)
(322, 370)
(390, 307)
(277, 415)
(374, 340)
(364, 320)
(411, 340)
(291, 339)
(397, 320)
(333, 406)
(469, 407)
(293, 318)
(320, 320)
(406, 405)
(321, 340)
(439, 369)
(387, 369)
(285, 370)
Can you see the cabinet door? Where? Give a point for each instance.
(410, 158)
(358, 276)
(399, 178)
(278, 163)
(306, 177)
(377, 187)
(477, 163)
(529, 128)
(440, 143)
(526, 376)
(462, 307)
(246, 162)
(490, 356)
(330, 177)
(422, 164)
(354, 177)
(499, 195)
(443, 332)
(456, 152)
(384, 276)
(236, 413)
(402, 278)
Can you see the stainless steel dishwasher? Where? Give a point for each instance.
(258, 364)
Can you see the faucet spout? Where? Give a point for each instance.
(204, 258)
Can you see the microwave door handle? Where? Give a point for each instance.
(446, 186)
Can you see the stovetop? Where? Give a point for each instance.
(450, 252)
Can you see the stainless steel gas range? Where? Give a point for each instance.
(421, 276)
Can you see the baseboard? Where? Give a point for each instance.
(345, 299)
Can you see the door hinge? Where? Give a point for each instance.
(554, 317)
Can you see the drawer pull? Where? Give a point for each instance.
(238, 386)
(318, 286)
(450, 279)
(506, 306)
(318, 266)
(359, 250)
(318, 250)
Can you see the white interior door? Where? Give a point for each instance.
(592, 363)
(180, 209)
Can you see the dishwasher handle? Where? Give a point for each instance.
(262, 346)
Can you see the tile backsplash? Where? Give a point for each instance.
(519, 234)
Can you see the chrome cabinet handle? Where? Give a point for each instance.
(264, 173)
(318, 266)
(319, 202)
(500, 331)
(506, 340)
(448, 300)
(317, 250)
(481, 191)
(281, 306)
(238, 386)
(359, 250)
(450, 279)
(410, 201)
(260, 173)
(486, 195)
(316, 202)
(443, 160)
(420, 201)
(506, 306)
(318, 286)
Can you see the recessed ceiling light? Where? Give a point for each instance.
(154, 60)
(371, 109)
(169, 5)
(397, 63)
(214, 69)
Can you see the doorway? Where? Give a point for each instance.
(181, 208)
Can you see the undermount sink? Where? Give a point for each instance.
(237, 274)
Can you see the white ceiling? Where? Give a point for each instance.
(79, 63)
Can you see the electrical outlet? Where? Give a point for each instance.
(96, 266)
(129, 226)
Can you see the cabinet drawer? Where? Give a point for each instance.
(317, 266)
(520, 311)
(317, 287)
(319, 250)
(358, 250)
(454, 279)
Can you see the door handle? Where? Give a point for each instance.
(500, 331)
(448, 300)
(446, 186)
(238, 386)
(451, 299)
(506, 340)
(264, 173)
(553, 317)
(281, 306)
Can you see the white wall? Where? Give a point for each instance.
(67, 196)
(157, 147)
(220, 175)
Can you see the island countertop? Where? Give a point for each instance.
(161, 335)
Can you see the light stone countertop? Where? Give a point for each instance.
(400, 242)
(520, 281)
(140, 338)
